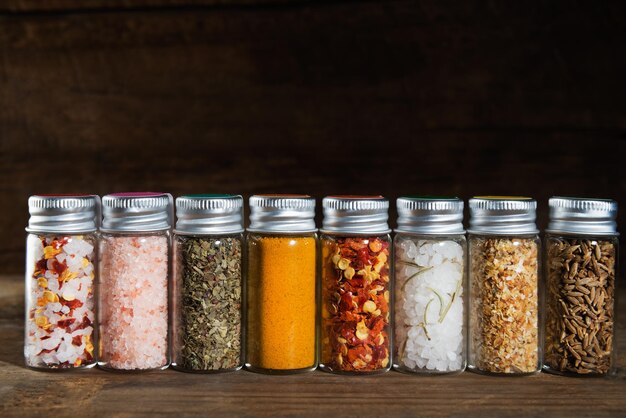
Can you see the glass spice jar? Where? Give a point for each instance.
(355, 315)
(504, 289)
(61, 250)
(581, 260)
(281, 284)
(429, 286)
(134, 279)
(207, 286)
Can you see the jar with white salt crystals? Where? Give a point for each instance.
(134, 281)
(430, 250)
(60, 295)
(504, 266)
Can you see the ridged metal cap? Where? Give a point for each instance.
(583, 216)
(503, 215)
(63, 213)
(136, 212)
(209, 214)
(430, 215)
(356, 214)
(283, 213)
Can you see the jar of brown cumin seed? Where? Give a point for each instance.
(504, 286)
(581, 251)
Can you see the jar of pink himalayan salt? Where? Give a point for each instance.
(134, 281)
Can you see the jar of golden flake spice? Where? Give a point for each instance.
(61, 250)
(281, 284)
(207, 287)
(356, 255)
(429, 286)
(581, 251)
(504, 286)
(134, 281)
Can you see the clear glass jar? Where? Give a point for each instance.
(430, 286)
(504, 300)
(61, 250)
(134, 282)
(355, 335)
(581, 263)
(207, 297)
(281, 285)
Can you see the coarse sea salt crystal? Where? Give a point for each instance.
(429, 294)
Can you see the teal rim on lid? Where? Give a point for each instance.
(430, 215)
(209, 214)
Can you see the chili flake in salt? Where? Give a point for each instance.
(60, 281)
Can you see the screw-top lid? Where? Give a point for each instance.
(430, 215)
(503, 215)
(63, 213)
(583, 216)
(356, 214)
(136, 212)
(283, 213)
(209, 214)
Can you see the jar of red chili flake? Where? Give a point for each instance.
(355, 323)
(61, 253)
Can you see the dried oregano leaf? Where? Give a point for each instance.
(210, 303)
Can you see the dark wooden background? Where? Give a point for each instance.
(389, 97)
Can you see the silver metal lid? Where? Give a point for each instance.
(430, 215)
(283, 213)
(136, 212)
(356, 214)
(209, 214)
(63, 213)
(583, 216)
(503, 215)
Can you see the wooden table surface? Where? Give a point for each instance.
(25, 392)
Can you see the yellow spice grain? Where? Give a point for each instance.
(281, 302)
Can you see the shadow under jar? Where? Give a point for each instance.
(61, 250)
(281, 285)
(355, 307)
(134, 282)
(504, 298)
(581, 259)
(429, 286)
(207, 287)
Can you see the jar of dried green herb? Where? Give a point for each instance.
(504, 286)
(207, 291)
(581, 251)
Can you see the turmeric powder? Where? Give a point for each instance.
(281, 302)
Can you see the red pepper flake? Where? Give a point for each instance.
(77, 340)
(356, 304)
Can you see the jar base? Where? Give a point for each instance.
(423, 372)
(327, 369)
(262, 370)
(178, 368)
(501, 374)
(549, 370)
(107, 368)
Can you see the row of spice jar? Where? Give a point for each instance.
(103, 269)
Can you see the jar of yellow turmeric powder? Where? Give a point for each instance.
(281, 284)
(355, 291)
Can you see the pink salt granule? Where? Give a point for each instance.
(133, 302)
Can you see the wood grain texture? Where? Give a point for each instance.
(25, 392)
(434, 97)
